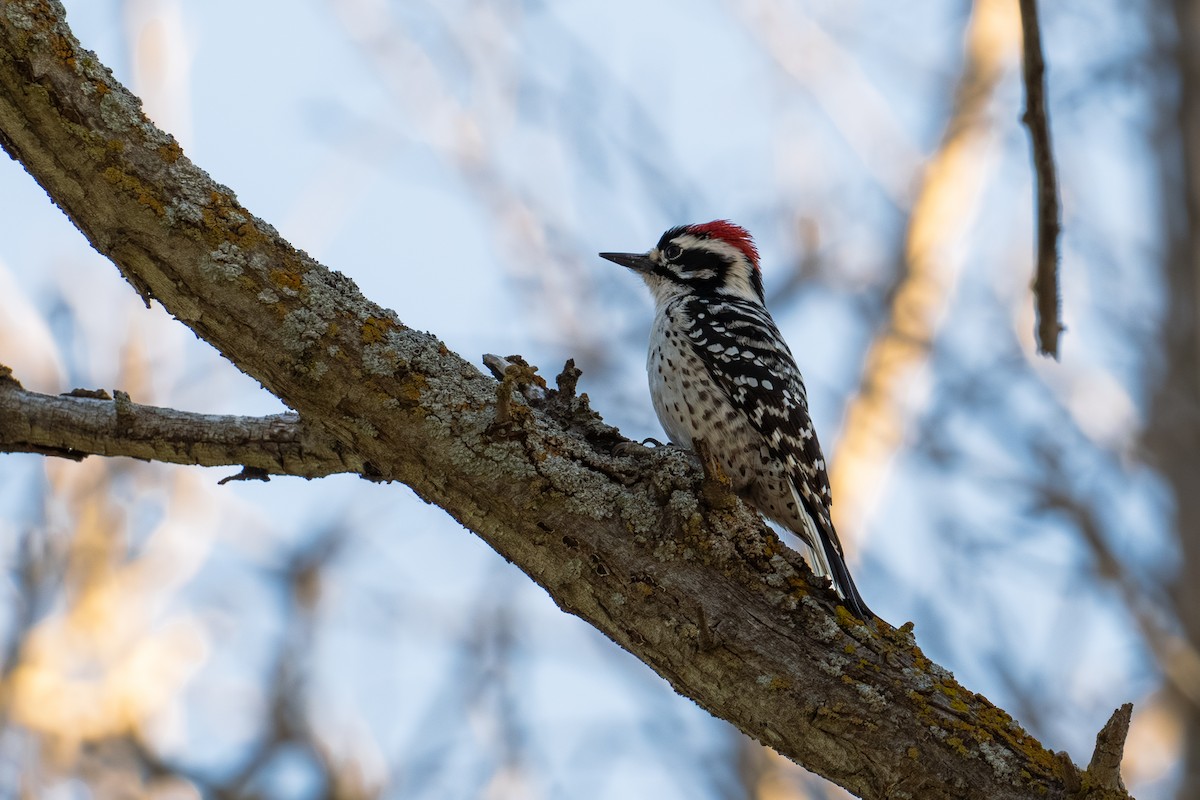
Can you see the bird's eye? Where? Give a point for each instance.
(672, 252)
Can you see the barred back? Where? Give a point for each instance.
(748, 359)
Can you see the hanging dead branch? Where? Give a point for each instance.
(1046, 293)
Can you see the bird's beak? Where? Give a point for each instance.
(638, 262)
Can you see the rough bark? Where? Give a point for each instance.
(696, 588)
(80, 424)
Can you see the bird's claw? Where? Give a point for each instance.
(631, 448)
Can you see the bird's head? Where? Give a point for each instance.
(711, 259)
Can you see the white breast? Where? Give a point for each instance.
(691, 406)
(675, 374)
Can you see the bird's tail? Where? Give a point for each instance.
(840, 574)
(827, 560)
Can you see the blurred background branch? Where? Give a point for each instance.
(1046, 294)
(951, 188)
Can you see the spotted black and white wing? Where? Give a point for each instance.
(748, 360)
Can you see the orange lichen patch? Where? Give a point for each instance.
(411, 390)
(920, 662)
(170, 152)
(226, 220)
(777, 682)
(286, 280)
(1004, 728)
(997, 718)
(845, 619)
(976, 721)
(134, 187)
(375, 329)
(799, 587)
(63, 50)
(247, 234)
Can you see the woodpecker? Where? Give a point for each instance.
(721, 373)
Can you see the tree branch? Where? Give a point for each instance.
(92, 423)
(1047, 298)
(1104, 770)
(707, 597)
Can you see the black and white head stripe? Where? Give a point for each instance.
(713, 258)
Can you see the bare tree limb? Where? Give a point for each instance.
(91, 423)
(1047, 297)
(1104, 769)
(706, 596)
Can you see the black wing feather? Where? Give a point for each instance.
(746, 357)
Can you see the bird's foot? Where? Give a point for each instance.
(717, 489)
(633, 449)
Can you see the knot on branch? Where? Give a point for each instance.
(568, 379)
(125, 413)
(1102, 778)
(717, 489)
(1103, 775)
(516, 376)
(94, 394)
(570, 409)
(247, 474)
(6, 377)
